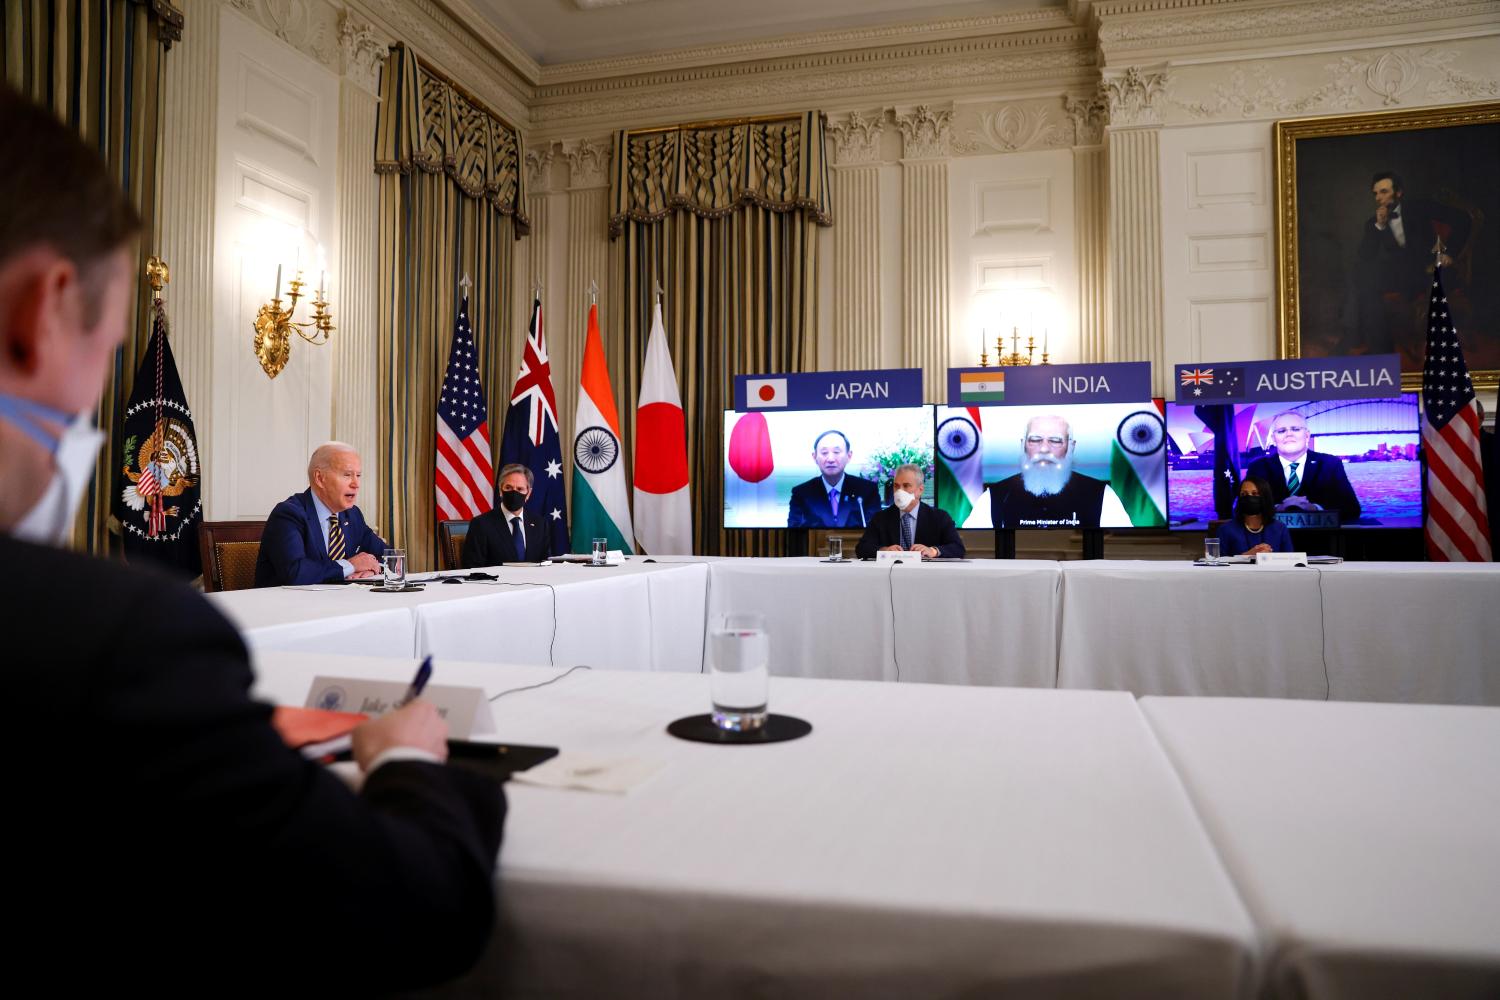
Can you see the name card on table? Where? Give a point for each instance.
(858, 390)
(1033, 385)
(465, 709)
(884, 558)
(1370, 376)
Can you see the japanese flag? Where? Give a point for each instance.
(764, 393)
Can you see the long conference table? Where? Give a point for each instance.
(943, 840)
(1397, 632)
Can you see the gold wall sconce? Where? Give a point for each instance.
(273, 325)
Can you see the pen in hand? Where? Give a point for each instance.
(418, 684)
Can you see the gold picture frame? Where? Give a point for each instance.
(1333, 295)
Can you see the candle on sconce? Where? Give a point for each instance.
(278, 282)
(322, 284)
(1044, 339)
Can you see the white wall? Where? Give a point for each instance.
(276, 177)
(1218, 243)
(1012, 259)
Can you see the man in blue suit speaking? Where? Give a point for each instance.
(318, 535)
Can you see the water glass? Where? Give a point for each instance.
(835, 548)
(1211, 551)
(739, 671)
(601, 552)
(393, 563)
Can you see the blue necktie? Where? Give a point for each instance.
(518, 539)
(1292, 481)
(908, 526)
(833, 501)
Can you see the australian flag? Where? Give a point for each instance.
(1211, 383)
(530, 437)
(1221, 424)
(159, 504)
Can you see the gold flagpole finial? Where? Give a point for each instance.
(158, 274)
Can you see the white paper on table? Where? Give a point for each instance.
(588, 772)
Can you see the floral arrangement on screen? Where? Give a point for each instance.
(882, 465)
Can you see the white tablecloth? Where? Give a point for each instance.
(1413, 632)
(922, 841)
(335, 619)
(1364, 838)
(1175, 628)
(636, 616)
(984, 622)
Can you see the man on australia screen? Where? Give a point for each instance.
(1300, 478)
(1047, 492)
(833, 499)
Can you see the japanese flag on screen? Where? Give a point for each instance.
(763, 393)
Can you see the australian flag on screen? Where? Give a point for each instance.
(1221, 424)
(530, 436)
(1212, 383)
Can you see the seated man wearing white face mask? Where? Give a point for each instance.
(910, 525)
(259, 866)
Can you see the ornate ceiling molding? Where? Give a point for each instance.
(1363, 81)
(824, 42)
(456, 49)
(1127, 29)
(309, 26)
(798, 83)
(926, 132)
(1011, 128)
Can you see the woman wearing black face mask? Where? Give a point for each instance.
(1254, 528)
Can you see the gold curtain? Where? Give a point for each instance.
(726, 219)
(98, 65)
(451, 204)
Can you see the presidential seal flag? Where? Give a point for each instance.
(601, 504)
(159, 503)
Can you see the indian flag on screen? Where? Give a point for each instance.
(978, 388)
(1138, 468)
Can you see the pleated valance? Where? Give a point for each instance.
(709, 171)
(425, 123)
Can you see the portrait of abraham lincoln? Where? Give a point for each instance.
(1368, 206)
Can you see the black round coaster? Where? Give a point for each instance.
(409, 588)
(701, 729)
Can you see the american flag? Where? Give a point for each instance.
(1458, 527)
(465, 475)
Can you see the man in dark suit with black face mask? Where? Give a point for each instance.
(509, 533)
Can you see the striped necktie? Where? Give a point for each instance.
(1293, 481)
(335, 538)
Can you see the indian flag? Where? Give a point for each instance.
(1138, 470)
(978, 388)
(960, 465)
(601, 506)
